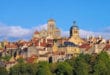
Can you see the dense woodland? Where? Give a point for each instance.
(84, 64)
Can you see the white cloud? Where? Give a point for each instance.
(65, 33)
(41, 27)
(18, 32)
(85, 34)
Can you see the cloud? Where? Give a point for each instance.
(107, 29)
(18, 32)
(64, 33)
(85, 34)
(41, 27)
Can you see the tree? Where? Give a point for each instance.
(23, 69)
(64, 68)
(53, 67)
(18, 69)
(6, 58)
(102, 64)
(20, 60)
(43, 69)
(71, 61)
(81, 66)
(3, 71)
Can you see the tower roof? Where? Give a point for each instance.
(51, 20)
(74, 25)
(36, 32)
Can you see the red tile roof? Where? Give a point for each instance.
(36, 32)
(32, 58)
(107, 47)
(11, 45)
(86, 46)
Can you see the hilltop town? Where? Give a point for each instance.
(48, 45)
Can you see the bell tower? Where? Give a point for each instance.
(74, 30)
(74, 34)
(51, 27)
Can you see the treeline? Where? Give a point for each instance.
(84, 64)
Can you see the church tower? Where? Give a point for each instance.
(51, 27)
(74, 35)
(74, 30)
(52, 30)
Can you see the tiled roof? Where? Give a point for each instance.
(36, 32)
(85, 46)
(58, 53)
(107, 47)
(31, 59)
(11, 46)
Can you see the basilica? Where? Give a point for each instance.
(52, 31)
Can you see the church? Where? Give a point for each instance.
(70, 46)
(52, 31)
(74, 35)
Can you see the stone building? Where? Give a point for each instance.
(74, 35)
(52, 31)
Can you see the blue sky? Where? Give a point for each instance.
(91, 15)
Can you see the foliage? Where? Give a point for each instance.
(81, 65)
(84, 64)
(3, 71)
(43, 69)
(23, 69)
(102, 66)
(20, 60)
(6, 58)
(64, 68)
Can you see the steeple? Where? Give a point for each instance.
(74, 25)
(74, 30)
(74, 34)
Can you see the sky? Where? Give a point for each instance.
(20, 18)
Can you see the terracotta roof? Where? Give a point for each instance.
(107, 47)
(36, 32)
(34, 56)
(84, 45)
(49, 45)
(31, 59)
(87, 48)
(11, 46)
(58, 53)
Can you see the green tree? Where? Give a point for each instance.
(71, 61)
(6, 58)
(81, 66)
(63, 68)
(3, 71)
(20, 60)
(102, 64)
(23, 69)
(53, 67)
(43, 69)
